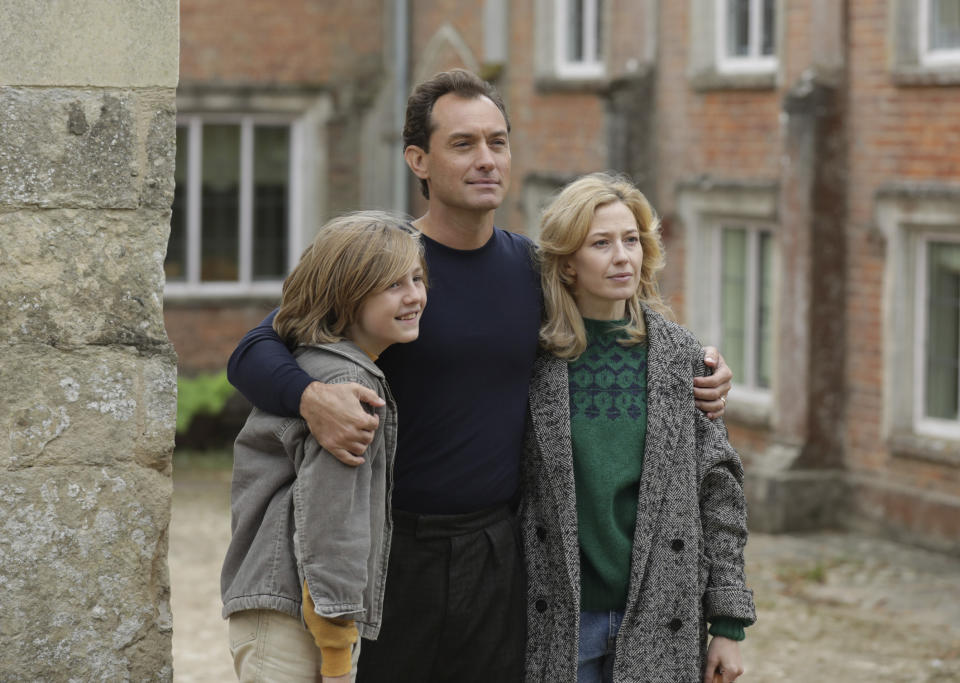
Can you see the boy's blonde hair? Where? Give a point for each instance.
(352, 257)
(563, 229)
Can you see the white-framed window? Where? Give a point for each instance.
(743, 288)
(924, 43)
(579, 38)
(937, 330)
(732, 285)
(921, 300)
(746, 36)
(235, 224)
(939, 32)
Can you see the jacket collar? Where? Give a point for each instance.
(348, 349)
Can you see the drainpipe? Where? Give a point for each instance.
(401, 51)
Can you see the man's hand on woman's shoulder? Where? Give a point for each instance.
(710, 391)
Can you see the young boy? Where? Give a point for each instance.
(311, 536)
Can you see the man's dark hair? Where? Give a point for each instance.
(418, 125)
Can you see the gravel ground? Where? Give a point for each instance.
(832, 607)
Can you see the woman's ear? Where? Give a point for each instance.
(568, 269)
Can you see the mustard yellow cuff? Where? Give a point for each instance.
(336, 661)
(334, 637)
(334, 634)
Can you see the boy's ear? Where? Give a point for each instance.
(416, 159)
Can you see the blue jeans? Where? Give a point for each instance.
(598, 640)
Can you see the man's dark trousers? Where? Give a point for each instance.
(454, 608)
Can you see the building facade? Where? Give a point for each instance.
(804, 156)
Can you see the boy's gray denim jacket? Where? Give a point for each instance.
(298, 513)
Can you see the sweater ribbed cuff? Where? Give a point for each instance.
(728, 627)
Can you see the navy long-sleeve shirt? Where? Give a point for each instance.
(461, 388)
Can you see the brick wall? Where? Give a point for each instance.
(728, 133)
(280, 41)
(204, 334)
(899, 133)
(894, 134)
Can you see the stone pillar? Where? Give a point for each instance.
(631, 138)
(799, 483)
(87, 411)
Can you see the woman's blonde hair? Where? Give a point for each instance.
(563, 229)
(352, 257)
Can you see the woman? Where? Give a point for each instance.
(634, 520)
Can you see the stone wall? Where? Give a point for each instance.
(89, 401)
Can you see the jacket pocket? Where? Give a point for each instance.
(703, 573)
(243, 627)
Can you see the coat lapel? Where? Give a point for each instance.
(550, 415)
(669, 392)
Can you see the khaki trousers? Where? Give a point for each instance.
(272, 647)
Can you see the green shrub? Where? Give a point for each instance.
(206, 394)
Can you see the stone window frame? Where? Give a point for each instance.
(550, 74)
(909, 63)
(593, 64)
(907, 218)
(752, 63)
(705, 207)
(306, 113)
(496, 34)
(928, 57)
(707, 70)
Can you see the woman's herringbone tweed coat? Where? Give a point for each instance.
(687, 561)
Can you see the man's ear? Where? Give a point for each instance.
(416, 159)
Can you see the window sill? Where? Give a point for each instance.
(709, 80)
(177, 292)
(751, 410)
(555, 83)
(206, 303)
(924, 76)
(935, 449)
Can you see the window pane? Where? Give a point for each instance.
(943, 331)
(575, 30)
(175, 264)
(220, 196)
(733, 294)
(271, 185)
(767, 41)
(765, 310)
(738, 28)
(944, 24)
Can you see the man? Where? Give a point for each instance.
(454, 608)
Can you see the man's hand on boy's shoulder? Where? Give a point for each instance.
(710, 391)
(336, 417)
